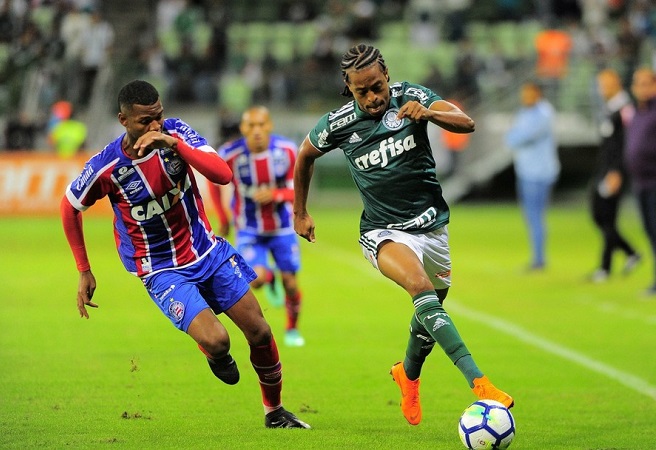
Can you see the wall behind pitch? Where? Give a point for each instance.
(33, 184)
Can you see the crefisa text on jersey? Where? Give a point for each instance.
(380, 157)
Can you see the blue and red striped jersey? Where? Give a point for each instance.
(159, 217)
(273, 168)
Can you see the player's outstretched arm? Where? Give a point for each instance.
(72, 222)
(303, 170)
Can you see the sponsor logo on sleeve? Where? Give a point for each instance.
(343, 121)
(323, 136)
(421, 96)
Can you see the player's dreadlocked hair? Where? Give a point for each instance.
(137, 92)
(359, 57)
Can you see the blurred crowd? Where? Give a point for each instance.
(50, 52)
(58, 50)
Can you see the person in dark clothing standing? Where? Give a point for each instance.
(640, 154)
(607, 187)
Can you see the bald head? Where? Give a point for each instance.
(256, 127)
(644, 85)
(530, 93)
(609, 83)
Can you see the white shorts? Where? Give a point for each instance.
(431, 248)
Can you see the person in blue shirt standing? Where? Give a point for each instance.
(531, 138)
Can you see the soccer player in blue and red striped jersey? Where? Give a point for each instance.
(262, 167)
(163, 236)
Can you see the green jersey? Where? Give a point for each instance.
(390, 161)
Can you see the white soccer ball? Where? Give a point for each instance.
(486, 424)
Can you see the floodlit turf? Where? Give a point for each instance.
(578, 357)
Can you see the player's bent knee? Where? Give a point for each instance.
(416, 285)
(216, 346)
(259, 334)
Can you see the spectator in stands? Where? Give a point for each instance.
(27, 50)
(66, 135)
(629, 44)
(456, 19)
(640, 155)
(566, 9)
(8, 23)
(188, 19)
(98, 43)
(182, 70)
(20, 132)
(72, 30)
(167, 11)
(594, 14)
(496, 71)
(512, 9)
(608, 182)
(553, 47)
(468, 69)
(532, 140)
(435, 79)
(427, 21)
(363, 24)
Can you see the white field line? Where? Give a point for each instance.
(631, 381)
(628, 380)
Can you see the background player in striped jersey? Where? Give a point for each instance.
(262, 167)
(403, 227)
(163, 236)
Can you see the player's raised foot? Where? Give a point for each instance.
(275, 293)
(485, 390)
(225, 369)
(410, 405)
(281, 418)
(293, 338)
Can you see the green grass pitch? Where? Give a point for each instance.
(578, 357)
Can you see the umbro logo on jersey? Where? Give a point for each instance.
(354, 138)
(133, 185)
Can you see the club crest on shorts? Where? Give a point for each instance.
(176, 309)
(390, 121)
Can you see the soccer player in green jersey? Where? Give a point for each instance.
(403, 228)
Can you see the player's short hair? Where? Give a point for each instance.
(137, 92)
(358, 57)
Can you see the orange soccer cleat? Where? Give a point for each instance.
(409, 394)
(484, 389)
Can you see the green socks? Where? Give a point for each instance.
(430, 324)
(420, 344)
